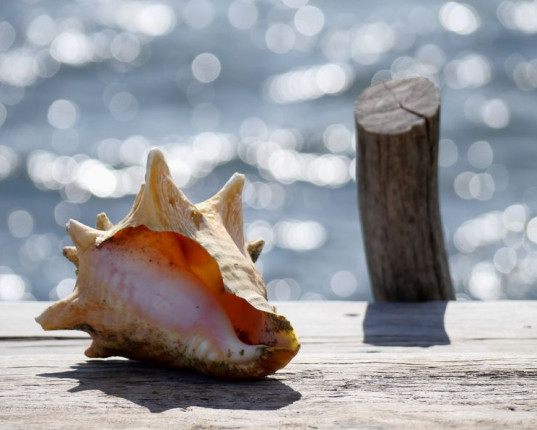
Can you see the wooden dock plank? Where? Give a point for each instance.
(18, 320)
(397, 322)
(467, 365)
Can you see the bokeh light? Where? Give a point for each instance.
(309, 20)
(20, 223)
(343, 284)
(206, 67)
(62, 114)
(199, 14)
(242, 14)
(459, 18)
(12, 287)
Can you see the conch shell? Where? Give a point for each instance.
(174, 283)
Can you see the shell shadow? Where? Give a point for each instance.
(160, 389)
(406, 324)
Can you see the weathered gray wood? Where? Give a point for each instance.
(17, 321)
(316, 391)
(465, 321)
(484, 377)
(397, 146)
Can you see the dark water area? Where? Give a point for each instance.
(265, 88)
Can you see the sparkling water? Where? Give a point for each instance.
(265, 88)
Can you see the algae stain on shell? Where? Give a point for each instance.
(175, 283)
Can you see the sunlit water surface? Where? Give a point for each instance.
(265, 88)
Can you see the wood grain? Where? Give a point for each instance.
(423, 365)
(397, 145)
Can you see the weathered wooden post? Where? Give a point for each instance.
(397, 173)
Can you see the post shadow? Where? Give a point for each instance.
(405, 324)
(160, 389)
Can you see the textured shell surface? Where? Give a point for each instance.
(174, 284)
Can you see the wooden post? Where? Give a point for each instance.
(397, 173)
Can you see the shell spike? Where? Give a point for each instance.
(71, 254)
(228, 204)
(103, 222)
(254, 248)
(62, 315)
(232, 189)
(160, 205)
(156, 165)
(82, 235)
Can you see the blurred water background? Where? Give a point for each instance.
(265, 88)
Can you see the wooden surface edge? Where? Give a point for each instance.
(361, 366)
